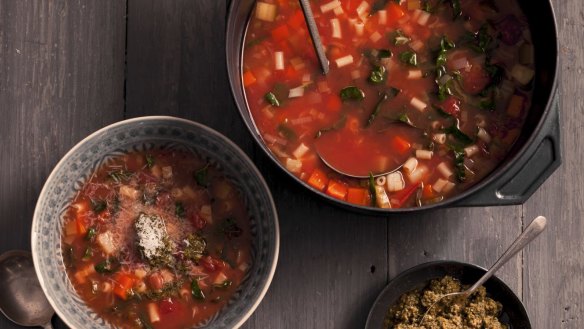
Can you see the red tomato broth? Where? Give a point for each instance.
(485, 91)
(116, 278)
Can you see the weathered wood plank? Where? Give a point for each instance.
(554, 264)
(176, 66)
(61, 77)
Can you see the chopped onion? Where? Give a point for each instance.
(266, 11)
(294, 166)
(382, 14)
(279, 60)
(330, 6)
(424, 154)
(439, 138)
(395, 182)
(444, 170)
(363, 9)
(344, 61)
(484, 135)
(300, 151)
(469, 151)
(296, 92)
(271, 139)
(423, 17)
(338, 11)
(522, 73)
(410, 165)
(459, 63)
(375, 36)
(418, 104)
(415, 74)
(336, 28)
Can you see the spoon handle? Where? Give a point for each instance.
(313, 30)
(531, 232)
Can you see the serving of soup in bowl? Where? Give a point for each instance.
(424, 99)
(155, 222)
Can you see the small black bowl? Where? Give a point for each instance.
(417, 277)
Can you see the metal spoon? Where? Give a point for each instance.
(313, 31)
(22, 299)
(531, 232)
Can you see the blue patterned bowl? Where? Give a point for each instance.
(138, 134)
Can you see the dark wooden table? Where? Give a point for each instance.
(68, 68)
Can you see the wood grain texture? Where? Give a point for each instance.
(61, 78)
(554, 264)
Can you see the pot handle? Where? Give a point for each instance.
(516, 185)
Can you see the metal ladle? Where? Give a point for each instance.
(313, 31)
(531, 232)
(22, 299)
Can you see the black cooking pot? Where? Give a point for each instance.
(533, 158)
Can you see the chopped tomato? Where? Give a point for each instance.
(394, 12)
(333, 103)
(296, 20)
(198, 221)
(280, 33)
(122, 283)
(248, 79)
(156, 281)
(212, 264)
(400, 145)
(474, 80)
(401, 197)
(451, 106)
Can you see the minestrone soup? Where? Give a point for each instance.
(424, 98)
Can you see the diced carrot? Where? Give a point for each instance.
(280, 33)
(81, 226)
(515, 106)
(248, 78)
(427, 192)
(357, 195)
(394, 12)
(400, 198)
(400, 145)
(297, 19)
(337, 190)
(122, 283)
(318, 179)
(333, 103)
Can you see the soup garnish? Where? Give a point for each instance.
(157, 239)
(437, 88)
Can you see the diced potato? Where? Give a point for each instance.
(266, 11)
(220, 278)
(106, 242)
(81, 275)
(129, 192)
(293, 165)
(522, 74)
(156, 171)
(167, 172)
(207, 213)
(140, 273)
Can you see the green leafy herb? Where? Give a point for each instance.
(399, 38)
(272, 99)
(223, 285)
(487, 105)
(337, 125)
(196, 290)
(405, 119)
(120, 176)
(195, 247)
(286, 131)
(409, 57)
(149, 160)
(202, 177)
(481, 40)
(179, 209)
(378, 75)
(98, 205)
(110, 265)
(384, 53)
(372, 191)
(91, 232)
(230, 228)
(88, 253)
(391, 93)
(352, 93)
(460, 169)
(445, 90)
(445, 46)
(456, 9)
(459, 135)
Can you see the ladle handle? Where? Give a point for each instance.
(313, 30)
(531, 232)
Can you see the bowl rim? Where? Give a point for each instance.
(168, 119)
(422, 266)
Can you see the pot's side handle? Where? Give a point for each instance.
(518, 184)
